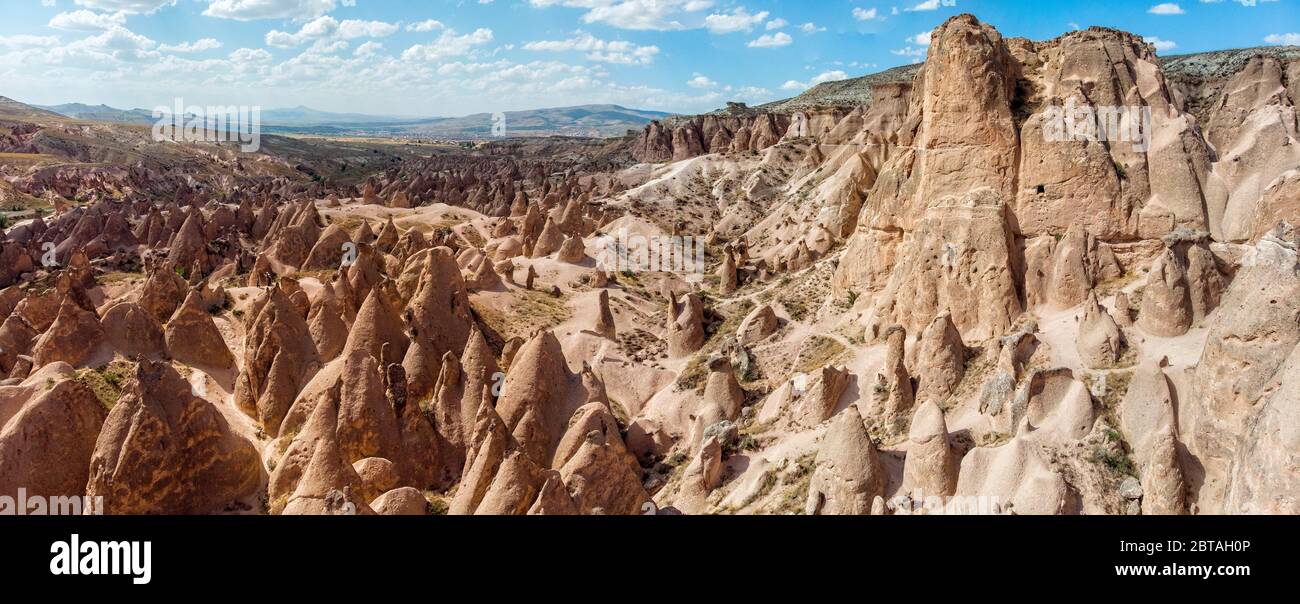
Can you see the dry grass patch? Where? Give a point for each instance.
(796, 480)
(438, 504)
(818, 352)
(1108, 390)
(116, 278)
(528, 312)
(107, 381)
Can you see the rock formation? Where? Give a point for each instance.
(1090, 244)
(849, 475)
(164, 450)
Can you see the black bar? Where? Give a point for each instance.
(436, 553)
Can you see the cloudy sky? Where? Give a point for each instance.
(454, 57)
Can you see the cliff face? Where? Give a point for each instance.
(1188, 141)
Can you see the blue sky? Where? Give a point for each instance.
(454, 57)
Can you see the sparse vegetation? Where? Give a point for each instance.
(797, 308)
(1115, 459)
(107, 381)
(528, 312)
(438, 504)
(744, 442)
(798, 479)
(765, 486)
(818, 352)
(735, 316)
(116, 278)
(282, 443)
(695, 372)
(1108, 390)
(279, 504)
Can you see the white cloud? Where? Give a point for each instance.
(924, 6)
(864, 14)
(739, 20)
(27, 41)
(1166, 8)
(448, 45)
(118, 43)
(1161, 45)
(750, 94)
(196, 46)
(328, 28)
(425, 26)
(354, 28)
(446, 73)
(129, 6)
(921, 39)
(617, 51)
(657, 15)
(369, 49)
(701, 81)
(87, 20)
(250, 55)
(821, 78)
(811, 28)
(459, 85)
(916, 54)
(776, 40)
(1288, 39)
(251, 10)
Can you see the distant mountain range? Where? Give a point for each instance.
(12, 109)
(100, 113)
(583, 120)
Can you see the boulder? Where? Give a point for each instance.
(378, 476)
(757, 325)
(406, 501)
